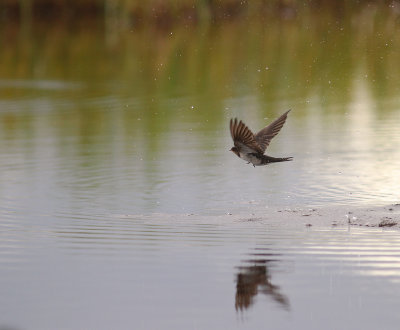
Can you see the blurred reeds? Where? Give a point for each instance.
(315, 55)
(320, 60)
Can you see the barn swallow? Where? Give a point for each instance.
(251, 147)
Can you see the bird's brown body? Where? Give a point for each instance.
(251, 147)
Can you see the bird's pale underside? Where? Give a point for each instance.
(251, 147)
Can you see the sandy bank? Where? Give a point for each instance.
(340, 215)
(383, 216)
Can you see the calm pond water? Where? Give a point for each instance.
(109, 140)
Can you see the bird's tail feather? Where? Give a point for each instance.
(269, 159)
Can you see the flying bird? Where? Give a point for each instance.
(251, 147)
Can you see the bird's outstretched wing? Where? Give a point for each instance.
(243, 137)
(264, 137)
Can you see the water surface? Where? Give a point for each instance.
(151, 273)
(113, 144)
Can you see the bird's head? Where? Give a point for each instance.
(235, 151)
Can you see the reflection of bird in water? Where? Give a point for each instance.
(251, 147)
(254, 279)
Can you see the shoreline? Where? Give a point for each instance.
(342, 215)
(331, 216)
(165, 14)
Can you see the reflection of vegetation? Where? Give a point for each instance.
(94, 96)
(149, 81)
(317, 56)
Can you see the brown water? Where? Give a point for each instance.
(105, 135)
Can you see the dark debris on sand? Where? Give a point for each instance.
(387, 222)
